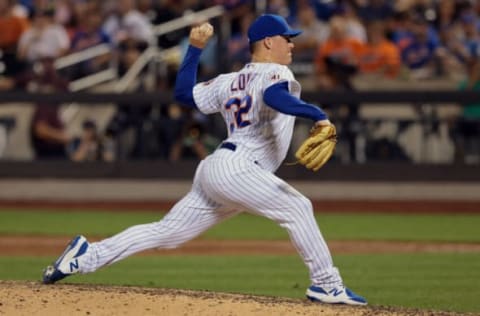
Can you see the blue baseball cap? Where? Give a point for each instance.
(268, 25)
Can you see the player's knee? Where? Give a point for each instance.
(307, 204)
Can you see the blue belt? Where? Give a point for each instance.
(229, 146)
(232, 147)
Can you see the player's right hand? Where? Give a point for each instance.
(199, 35)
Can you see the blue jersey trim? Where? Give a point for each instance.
(187, 77)
(278, 97)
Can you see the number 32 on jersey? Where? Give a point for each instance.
(240, 107)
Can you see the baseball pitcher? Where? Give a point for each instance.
(259, 104)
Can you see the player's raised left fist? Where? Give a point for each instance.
(199, 35)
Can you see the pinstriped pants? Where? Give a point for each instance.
(224, 185)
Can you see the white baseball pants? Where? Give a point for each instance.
(224, 185)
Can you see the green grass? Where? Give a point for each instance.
(427, 281)
(456, 228)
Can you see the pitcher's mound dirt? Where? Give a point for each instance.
(32, 298)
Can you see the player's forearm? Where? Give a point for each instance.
(279, 98)
(187, 77)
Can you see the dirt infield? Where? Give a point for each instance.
(33, 298)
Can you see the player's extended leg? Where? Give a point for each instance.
(191, 216)
(265, 194)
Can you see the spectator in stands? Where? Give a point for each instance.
(88, 146)
(12, 27)
(446, 23)
(129, 51)
(44, 39)
(281, 8)
(455, 50)
(238, 46)
(89, 35)
(48, 134)
(149, 9)
(325, 9)
(337, 58)
(130, 31)
(191, 136)
(193, 143)
(26, 5)
(379, 55)
(336, 63)
(127, 127)
(375, 10)
(445, 17)
(128, 24)
(69, 14)
(470, 24)
(315, 32)
(353, 26)
(422, 8)
(398, 29)
(166, 11)
(170, 126)
(420, 54)
(235, 10)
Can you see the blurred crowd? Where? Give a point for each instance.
(385, 39)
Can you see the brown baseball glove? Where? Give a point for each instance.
(318, 147)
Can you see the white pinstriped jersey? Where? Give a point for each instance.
(261, 133)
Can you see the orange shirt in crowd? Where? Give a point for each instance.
(12, 28)
(383, 57)
(346, 51)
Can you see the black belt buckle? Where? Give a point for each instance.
(229, 146)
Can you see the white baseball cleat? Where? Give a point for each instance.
(67, 264)
(337, 295)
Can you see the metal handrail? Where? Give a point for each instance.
(187, 20)
(140, 63)
(85, 54)
(91, 80)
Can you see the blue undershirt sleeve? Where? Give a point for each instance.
(187, 77)
(278, 97)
